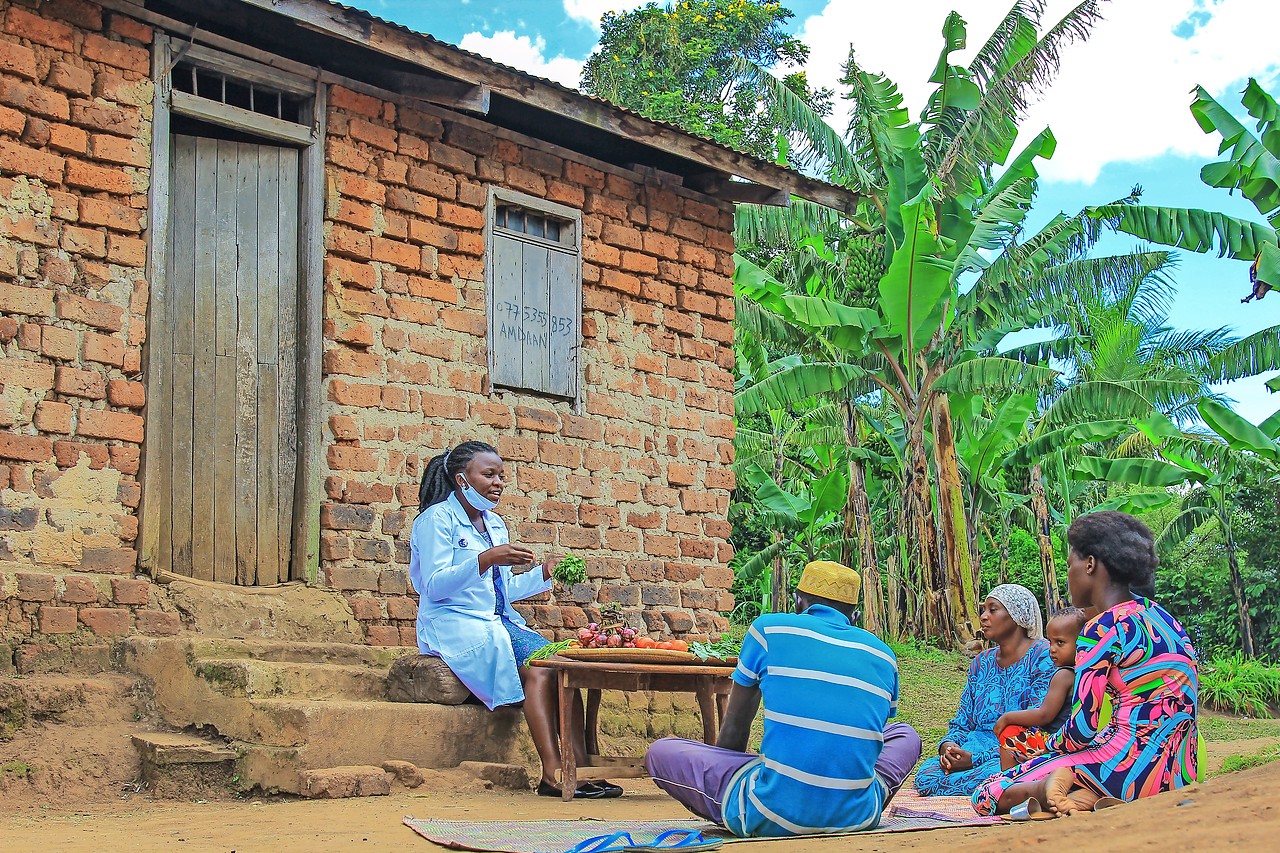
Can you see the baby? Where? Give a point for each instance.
(1022, 734)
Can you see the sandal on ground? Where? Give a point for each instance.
(1106, 803)
(678, 839)
(608, 790)
(585, 791)
(615, 842)
(1030, 810)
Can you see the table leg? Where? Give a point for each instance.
(707, 708)
(592, 734)
(568, 762)
(722, 704)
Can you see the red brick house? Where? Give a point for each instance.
(260, 259)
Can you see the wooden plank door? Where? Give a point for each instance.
(229, 383)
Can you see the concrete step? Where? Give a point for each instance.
(184, 766)
(344, 654)
(265, 679)
(281, 738)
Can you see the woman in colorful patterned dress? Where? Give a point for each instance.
(1132, 650)
(1013, 676)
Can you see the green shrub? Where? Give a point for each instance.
(1240, 685)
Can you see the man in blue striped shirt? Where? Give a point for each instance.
(828, 762)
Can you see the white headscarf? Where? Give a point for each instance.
(1022, 606)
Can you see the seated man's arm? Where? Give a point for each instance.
(735, 731)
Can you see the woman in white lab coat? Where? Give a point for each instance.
(467, 573)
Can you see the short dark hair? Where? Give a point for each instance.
(1073, 613)
(1122, 543)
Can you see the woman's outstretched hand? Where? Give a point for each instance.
(954, 759)
(505, 555)
(549, 567)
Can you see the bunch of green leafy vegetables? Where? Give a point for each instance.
(725, 647)
(571, 569)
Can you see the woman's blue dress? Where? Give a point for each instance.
(989, 692)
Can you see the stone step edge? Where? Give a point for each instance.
(165, 749)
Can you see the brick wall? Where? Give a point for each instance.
(638, 482)
(75, 109)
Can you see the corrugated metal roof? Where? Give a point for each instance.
(575, 92)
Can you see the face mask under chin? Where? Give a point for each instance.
(474, 498)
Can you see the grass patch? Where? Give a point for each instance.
(1234, 763)
(930, 682)
(15, 769)
(1217, 728)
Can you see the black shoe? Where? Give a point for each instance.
(608, 790)
(585, 791)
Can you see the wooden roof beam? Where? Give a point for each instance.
(444, 92)
(358, 28)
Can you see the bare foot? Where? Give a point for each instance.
(1084, 799)
(1057, 792)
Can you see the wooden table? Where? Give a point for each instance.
(711, 684)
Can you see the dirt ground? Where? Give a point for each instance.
(1232, 812)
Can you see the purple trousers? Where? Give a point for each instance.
(697, 774)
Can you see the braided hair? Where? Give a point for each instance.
(439, 477)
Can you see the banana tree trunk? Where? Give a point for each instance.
(1237, 587)
(778, 583)
(895, 608)
(857, 524)
(1040, 507)
(1004, 552)
(934, 619)
(961, 587)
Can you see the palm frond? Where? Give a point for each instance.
(822, 144)
(992, 373)
(989, 130)
(1191, 229)
(1249, 356)
(771, 227)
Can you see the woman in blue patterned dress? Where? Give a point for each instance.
(467, 572)
(1013, 676)
(1134, 652)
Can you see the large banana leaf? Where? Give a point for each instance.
(1250, 167)
(1138, 472)
(994, 373)
(1135, 503)
(1024, 165)
(997, 221)
(1238, 433)
(1199, 231)
(1271, 426)
(917, 281)
(1076, 435)
(1008, 423)
(830, 494)
(795, 384)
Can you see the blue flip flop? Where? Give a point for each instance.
(677, 839)
(615, 842)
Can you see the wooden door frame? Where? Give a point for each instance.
(304, 557)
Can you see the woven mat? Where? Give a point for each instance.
(908, 812)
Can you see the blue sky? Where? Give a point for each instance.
(1119, 107)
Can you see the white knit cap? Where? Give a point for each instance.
(1022, 606)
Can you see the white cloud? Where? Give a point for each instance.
(1120, 97)
(590, 11)
(525, 53)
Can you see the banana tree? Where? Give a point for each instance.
(1220, 459)
(806, 519)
